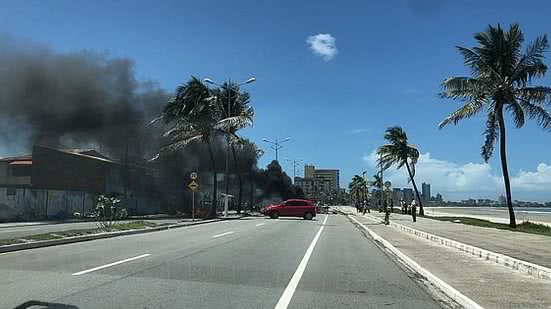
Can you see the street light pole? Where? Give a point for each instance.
(276, 145)
(230, 88)
(295, 163)
(366, 191)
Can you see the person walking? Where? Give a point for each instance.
(366, 208)
(414, 210)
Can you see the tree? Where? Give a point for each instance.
(358, 190)
(239, 115)
(398, 152)
(501, 78)
(193, 116)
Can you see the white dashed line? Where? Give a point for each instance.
(110, 264)
(223, 234)
(260, 224)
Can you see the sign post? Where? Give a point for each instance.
(193, 185)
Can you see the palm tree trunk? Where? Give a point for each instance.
(421, 210)
(212, 211)
(503, 152)
(240, 194)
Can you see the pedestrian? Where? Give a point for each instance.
(391, 205)
(414, 210)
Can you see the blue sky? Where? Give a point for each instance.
(391, 56)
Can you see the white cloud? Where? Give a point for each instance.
(540, 180)
(324, 45)
(359, 131)
(477, 180)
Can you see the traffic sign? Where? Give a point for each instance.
(193, 185)
(193, 175)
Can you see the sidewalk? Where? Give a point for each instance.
(486, 283)
(523, 246)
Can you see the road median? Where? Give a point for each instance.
(100, 235)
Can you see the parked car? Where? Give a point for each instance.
(291, 208)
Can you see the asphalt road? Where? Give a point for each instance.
(26, 230)
(248, 263)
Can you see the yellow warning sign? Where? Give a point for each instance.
(193, 185)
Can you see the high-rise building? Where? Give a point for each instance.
(318, 183)
(330, 178)
(309, 171)
(397, 195)
(425, 191)
(408, 195)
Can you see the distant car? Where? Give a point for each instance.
(291, 208)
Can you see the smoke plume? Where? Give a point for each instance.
(69, 100)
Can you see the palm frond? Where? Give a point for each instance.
(538, 94)
(234, 123)
(531, 65)
(462, 88)
(177, 144)
(490, 134)
(537, 112)
(470, 109)
(517, 113)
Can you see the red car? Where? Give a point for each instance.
(291, 208)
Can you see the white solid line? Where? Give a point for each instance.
(285, 298)
(111, 264)
(463, 300)
(223, 234)
(260, 224)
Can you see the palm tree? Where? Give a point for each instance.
(192, 116)
(357, 188)
(501, 78)
(377, 182)
(239, 115)
(398, 152)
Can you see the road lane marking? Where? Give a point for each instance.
(285, 298)
(260, 224)
(447, 289)
(223, 234)
(111, 264)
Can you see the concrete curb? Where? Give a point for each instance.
(74, 239)
(443, 286)
(534, 270)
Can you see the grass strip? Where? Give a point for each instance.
(524, 227)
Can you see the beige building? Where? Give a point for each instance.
(318, 183)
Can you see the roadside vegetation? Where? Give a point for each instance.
(525, 227)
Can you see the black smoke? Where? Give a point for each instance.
(88, 99)
(75, 100)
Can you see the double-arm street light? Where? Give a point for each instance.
(276, 145)
(231, 87)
